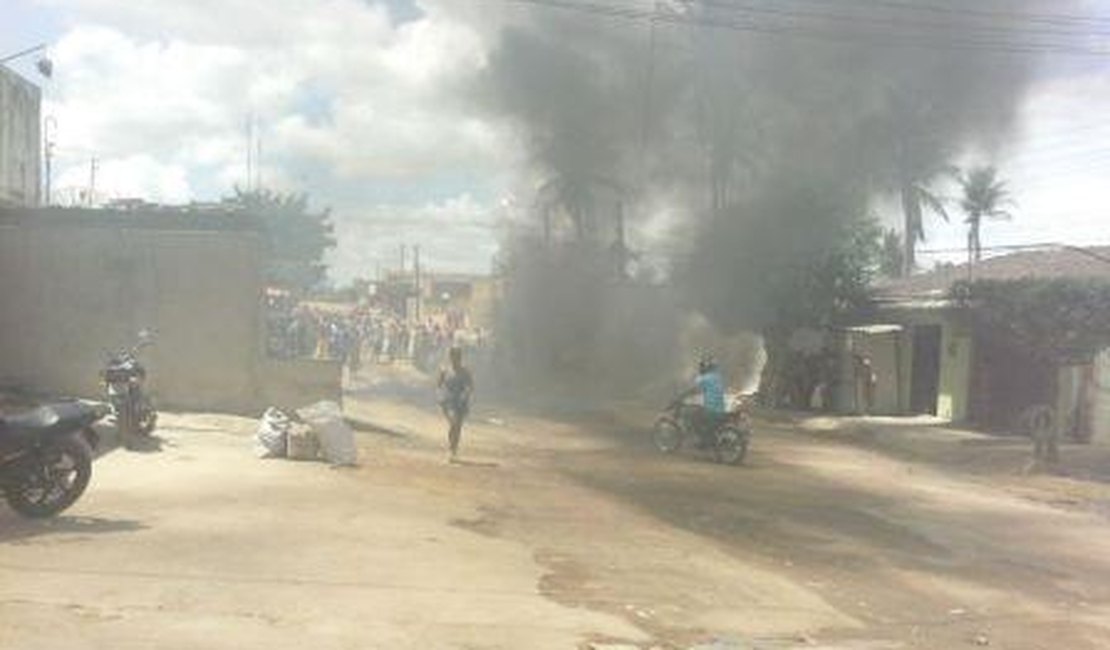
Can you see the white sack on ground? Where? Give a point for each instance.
(270, 437)
(302, 443)
(337, 439)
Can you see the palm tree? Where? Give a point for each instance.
(984, 196)
(577, 195)
(918, 161)
(916, 196)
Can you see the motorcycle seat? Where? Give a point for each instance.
(61, 417)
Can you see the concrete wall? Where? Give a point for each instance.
(904, 350)
(883, 351)
(881, 347)
(955, 371)
(1098, 399)
(956, 347)
(484, 296)
(290, 384)
(20, 150)
(74, 283)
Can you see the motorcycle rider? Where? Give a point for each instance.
(712, 388)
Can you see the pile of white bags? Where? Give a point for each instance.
(318, 431)
(301, 443)
(270, 439)
(337, 439)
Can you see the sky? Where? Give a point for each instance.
(356, 102)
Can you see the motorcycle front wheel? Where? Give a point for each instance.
(732, 445)
(55, 482)
(667, 435)
(127, 425)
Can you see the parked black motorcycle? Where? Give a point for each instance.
(46, 456)
(123, 378)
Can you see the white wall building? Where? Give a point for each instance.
(20, 153)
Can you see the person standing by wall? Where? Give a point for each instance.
(866, 379)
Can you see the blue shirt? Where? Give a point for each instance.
(712, 391)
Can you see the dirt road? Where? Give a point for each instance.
(555, 533)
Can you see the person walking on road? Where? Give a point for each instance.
(455, 386)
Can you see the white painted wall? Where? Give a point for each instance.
(1098, 399)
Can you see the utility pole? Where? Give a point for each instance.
(416, 278)
(249, 128)
(93, 164)
(649, 85)
(48, 156)
(257, 158)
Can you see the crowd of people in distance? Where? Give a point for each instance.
(364, 334)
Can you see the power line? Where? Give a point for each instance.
(903, 5)
(996, 29)
(858, 38)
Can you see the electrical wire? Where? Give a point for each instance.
(857, 37)
(890, 21)
(919, 7)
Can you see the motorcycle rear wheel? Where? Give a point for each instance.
(667, 435)
(732, 445)
(57, 483)
(148, 419)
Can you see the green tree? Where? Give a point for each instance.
(891, 254)
(298, 237)
(1058, 320)
(984, 196)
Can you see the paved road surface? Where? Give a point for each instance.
(556, 533)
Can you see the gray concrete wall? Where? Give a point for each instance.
(1098, 399)
(882, 350)
(20, 149)
(69, 289)
(290, 384)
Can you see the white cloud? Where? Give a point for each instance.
(454, 235)
(160, 91)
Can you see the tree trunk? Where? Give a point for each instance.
(775, 380)
(975, 248)
(911, 210)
